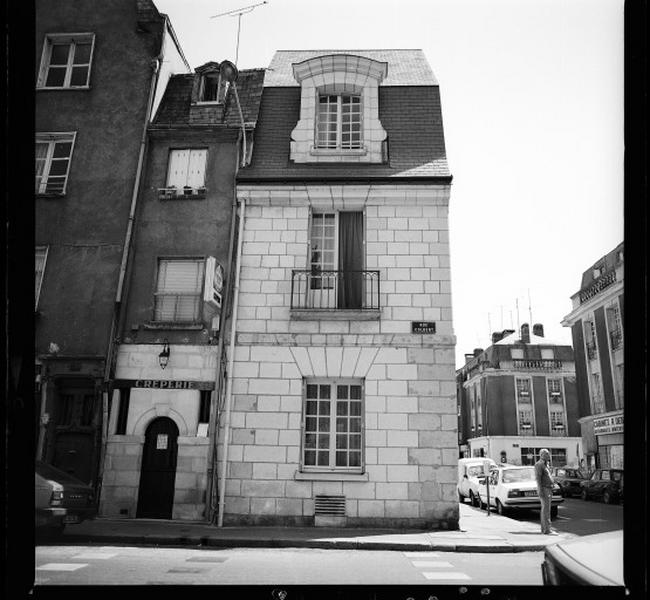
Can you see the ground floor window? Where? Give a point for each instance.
(529, 456)
(333, 425)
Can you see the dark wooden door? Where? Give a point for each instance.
(158, 473)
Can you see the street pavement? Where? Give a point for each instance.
(478, 532)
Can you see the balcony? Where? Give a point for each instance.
(335, 294)
(541, 364)
(558, 430)
(604, 281)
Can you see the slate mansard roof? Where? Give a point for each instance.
(409, 110)
(174, 108)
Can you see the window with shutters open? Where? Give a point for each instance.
(186, 173)
(178, 293)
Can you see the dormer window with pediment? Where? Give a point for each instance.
(339, 110)
(211, 89)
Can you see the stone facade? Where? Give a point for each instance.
(410, 439)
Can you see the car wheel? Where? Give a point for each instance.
(553, 512)
(482, 504)
(500, 508)
(583, 495)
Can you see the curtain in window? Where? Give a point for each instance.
(350, 259)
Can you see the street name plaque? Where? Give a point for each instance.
(423, 327)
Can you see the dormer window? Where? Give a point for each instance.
(212, 88)
(339, 121)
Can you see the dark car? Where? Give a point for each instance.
(59, 499)
(589, 560)
(605, 485)
(569, 480)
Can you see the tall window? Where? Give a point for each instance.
(178, 290)
(525, 418)
(187, 169)
(53, 153)
(338, 123)
(557, 421)
(614, 326)
(598, 402)
(590, 340)
(40, 256)
(333, 426)
(66, 60)
(479, 411)
(619, 382)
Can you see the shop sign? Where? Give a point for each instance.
(163, 384)
(423, 327)
(608, 424)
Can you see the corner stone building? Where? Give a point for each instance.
(343, 408)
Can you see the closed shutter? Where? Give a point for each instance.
(196, 174)
(178, 291)
(178, 164)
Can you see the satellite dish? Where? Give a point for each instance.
(228, 71)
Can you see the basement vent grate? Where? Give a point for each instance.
(331, 506)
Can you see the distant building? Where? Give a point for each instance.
(596, 322)
(101, 70)
(517, 397)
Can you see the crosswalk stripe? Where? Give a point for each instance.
(446, 575)
(61, 566)
(431, 563)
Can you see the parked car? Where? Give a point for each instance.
(605, 484)
(60, 499)
(569, 480)
(469, 470)
(514, 487)
(589, 560)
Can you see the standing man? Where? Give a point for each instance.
(544, 481)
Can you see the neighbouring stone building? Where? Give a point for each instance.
(517, 397)
(342, 407)
(596, 322)
(100, 72)
(161, 432)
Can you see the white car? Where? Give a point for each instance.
(515, 487)
(469, 470)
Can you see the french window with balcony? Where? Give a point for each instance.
(53, 154)
(332, 428)
(178, 297)
(66, 61)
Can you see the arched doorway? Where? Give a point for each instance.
(158, 473)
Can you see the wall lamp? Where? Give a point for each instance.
(163, 357)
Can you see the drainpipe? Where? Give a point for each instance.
(231, 355)
(108, 368)
(214, 405)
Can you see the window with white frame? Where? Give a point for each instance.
(53, 154)
(213, 89)
(178, 290)
(557, 421)
(186, 170)
(547, 354)
(526, 423)
(517, 353)
(66, 60)
(525, 416)
(333, 426)
(590, 339)
(338, 124)
(523, 389)
(40, 256)
(554, 390)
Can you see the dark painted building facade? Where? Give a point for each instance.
(596, 322)
(160, 442)
(518, 396)
(99, 74)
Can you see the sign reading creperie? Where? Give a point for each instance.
(164, 384)
(608, 424)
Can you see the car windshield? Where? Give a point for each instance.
(475, 470)
(514, 475)
(49, 472)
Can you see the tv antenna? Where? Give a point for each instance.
(238, 12)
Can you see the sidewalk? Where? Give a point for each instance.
(478, 533)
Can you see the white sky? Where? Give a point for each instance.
(532, 106)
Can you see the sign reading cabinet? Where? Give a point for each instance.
(423, 327)
(608, 424)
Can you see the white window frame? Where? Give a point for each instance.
(222, 89)
(193, 155)
(339, 147)
(197, 294)
(331, 467)
(52, 139)
(39, 274)
(518, 395)
(556, 407)
(52, 39)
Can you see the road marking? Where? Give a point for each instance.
(446, 575)
(61, 566)
(216, 559)
(431, 563)
(93, 555)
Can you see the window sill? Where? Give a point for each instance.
(208, 103)
(50, 195)
(199, 196)
(329, 476)
(335, 314)
(62, 88)
(337, 152)
(172, 325)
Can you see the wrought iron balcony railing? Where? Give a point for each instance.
(604, 281)
(335, 290)
(541, 364)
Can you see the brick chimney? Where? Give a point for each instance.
(477, 351)
(538, 329)
(525, 333)
(497, 336)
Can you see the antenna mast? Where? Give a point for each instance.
(238, 12)
(530, 310)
